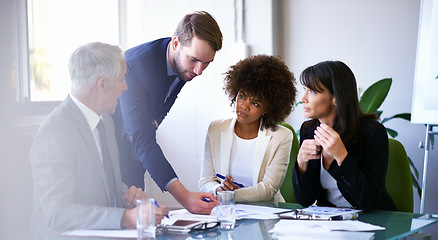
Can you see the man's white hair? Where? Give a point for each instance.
(93, 61)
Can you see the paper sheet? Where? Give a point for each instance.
(129, 233)
(309, 229)
(324, 226)
(420, 223)
(331, 211)
(257, 212)
(326, 236)
(243, 211)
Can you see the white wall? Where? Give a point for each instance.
(377, 39)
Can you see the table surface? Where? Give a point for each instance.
(397, 225)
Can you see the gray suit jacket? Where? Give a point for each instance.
(70, 186)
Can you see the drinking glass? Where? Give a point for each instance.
(225, 210)
(145, 218)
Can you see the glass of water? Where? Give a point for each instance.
(225, 210)
(146, 219)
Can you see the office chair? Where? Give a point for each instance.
(287, 189)
(398, 177)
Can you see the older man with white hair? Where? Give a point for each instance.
(74, 156)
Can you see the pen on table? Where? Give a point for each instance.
(156, 204)
(344, 217)
(288, 211)
(235, 183)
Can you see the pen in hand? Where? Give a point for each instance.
(235, 183)
(156, 204)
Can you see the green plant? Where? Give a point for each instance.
(371, 100)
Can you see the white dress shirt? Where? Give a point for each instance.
(92, 120)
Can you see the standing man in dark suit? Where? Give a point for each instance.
(74, 156)
(156, 72)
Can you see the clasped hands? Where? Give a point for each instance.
(326, 140)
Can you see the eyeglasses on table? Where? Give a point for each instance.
(204, 226)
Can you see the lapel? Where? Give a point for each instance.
(259, 154)
(225, 147)
(114, 153)
(88, 138)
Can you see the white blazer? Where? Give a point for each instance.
(271, 158)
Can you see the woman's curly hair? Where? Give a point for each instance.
(268, 78)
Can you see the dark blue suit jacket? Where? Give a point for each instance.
(144, 102)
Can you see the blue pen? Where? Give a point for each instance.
(236, 183)
(206, 200)
(156, 204)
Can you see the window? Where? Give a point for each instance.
(55, 29)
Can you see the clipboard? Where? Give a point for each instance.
(321, 213)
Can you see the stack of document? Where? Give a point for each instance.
(305, 229)
(243, 211)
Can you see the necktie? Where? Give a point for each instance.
(171, 95)
(175, 81)
(107, 163)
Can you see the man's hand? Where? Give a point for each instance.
(160, 213)
(192, 201)
(129, 199)
(129, 218)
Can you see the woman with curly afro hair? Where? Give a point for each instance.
(251, 150)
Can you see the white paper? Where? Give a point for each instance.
(330, 210)
(326, 236)
(129, 233)
(420, 223)
(257, 212)
(183, 214)
(243, 211)
(285, 226)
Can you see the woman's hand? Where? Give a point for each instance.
(310, 149)
(227, 185)
(332, 143)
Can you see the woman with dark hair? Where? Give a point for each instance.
(343, 156)
(251, 148)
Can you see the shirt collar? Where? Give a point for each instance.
(170, 71)
(91, 117)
